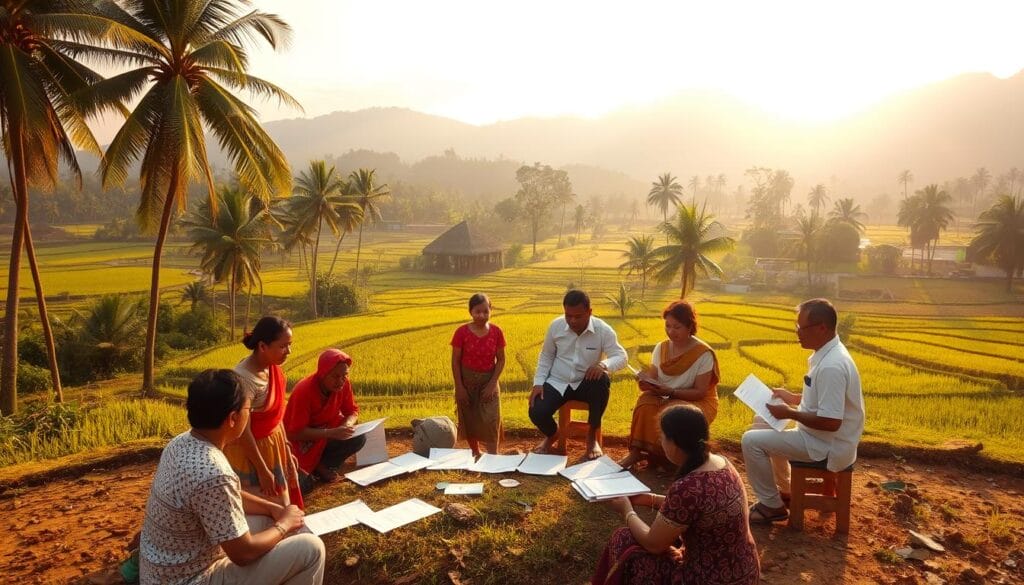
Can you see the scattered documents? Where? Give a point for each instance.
(594, 489)
(603, 465)
(489, 463)
(336, 518)
(756, 394)
(451, 458)
(538, 464)
(464, 489)
(398, 515)
(396, 466)
(363, 428)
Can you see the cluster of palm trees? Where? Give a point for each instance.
(177, 66)
(926, 214)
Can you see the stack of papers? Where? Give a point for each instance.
(451, 458)
(398, 515)
(756, 394)
(537, 464)
(395, 466)
(464, 489)
(603, 465)
(594, 489)
(336, 518)
(489, 463)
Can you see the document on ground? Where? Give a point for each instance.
(603, 465)
(489, 463)
(398, 515)
(756, 394)
(410, 462)
(464, 489)
(538, 464)
(374, 473)
(376, 448)
(611, 486)
(336, 518)
(451, 458)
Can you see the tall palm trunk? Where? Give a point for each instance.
(316, 254)
(232, 292)
(44, 317)
(9, 375)
(248, 308)
(359, 247)
(149, 353)
(687, 269)
(337, 248)
(561, 225)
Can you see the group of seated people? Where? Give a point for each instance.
(227, 498)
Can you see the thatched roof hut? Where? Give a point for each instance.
(463, 249)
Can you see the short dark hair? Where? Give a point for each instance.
(683, 312)
(575, 298)
(478, 298)
(820, 311)
(212, 396)
(686, 426)
(267, 330)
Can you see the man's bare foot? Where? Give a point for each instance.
(543, 448)
(593, 452)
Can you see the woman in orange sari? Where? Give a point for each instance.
(261, 456)
(683, 370)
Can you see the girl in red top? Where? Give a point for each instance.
(478, 357)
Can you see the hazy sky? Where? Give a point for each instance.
(481, 61)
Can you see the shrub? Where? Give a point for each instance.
(334, 298)
(841, 242)
(32, 378)
(32, 348)
(883, 258)
(514, 255)
(199, 328)
(764, 243)
(412, 263)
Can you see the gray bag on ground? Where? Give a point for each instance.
(436, 431)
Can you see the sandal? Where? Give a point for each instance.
(765, 515)
(326, 475)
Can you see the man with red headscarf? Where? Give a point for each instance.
(320, 417)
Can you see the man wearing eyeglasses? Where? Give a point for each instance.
(829, 416)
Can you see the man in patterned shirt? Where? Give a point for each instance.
(200, 527)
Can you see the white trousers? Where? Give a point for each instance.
(766, 454)
(296, 560)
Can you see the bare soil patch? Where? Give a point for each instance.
(74, 528)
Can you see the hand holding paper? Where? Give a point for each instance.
(756, 394)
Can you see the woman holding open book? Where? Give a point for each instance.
(683, 370)
(701, 534)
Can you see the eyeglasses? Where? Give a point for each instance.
(800, 327)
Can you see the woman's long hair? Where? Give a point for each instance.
(685, 426)
(267, 330)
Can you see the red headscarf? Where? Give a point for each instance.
(329, 359)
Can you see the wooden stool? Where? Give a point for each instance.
(830, 494)
(566, 424)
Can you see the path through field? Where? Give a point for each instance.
(74, 529)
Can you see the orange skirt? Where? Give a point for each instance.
(278, 457)
(645, 433)
(479, 420)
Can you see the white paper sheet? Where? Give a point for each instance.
(398, 515)
(410, 462)
(376, 448)
(755, 394)
(537, 464)
(451, 458)
(374, 473)
(489, 463)
(610, 486)
(640, 375)
(363, 428)
(464, 489)
(336, 518)
(603, 465)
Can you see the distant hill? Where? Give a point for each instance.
(939, 131)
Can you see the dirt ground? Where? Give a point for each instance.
(74, 529)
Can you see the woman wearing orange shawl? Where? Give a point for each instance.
(684, 370)
(261, 456)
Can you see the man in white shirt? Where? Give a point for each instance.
(570, 368)
(829, 414)
(200, 527)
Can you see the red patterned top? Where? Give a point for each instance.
(719, 546)
(479, 353)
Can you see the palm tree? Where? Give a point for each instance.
(579, 220)
(366, 191)
(230, 237)
(905, 178)
(664, 192)
(935, 216)
(846, 211)
(909, 216)
(195, 293)
(563, 197)
(810, 234)
(41, 122)
(318, 198)
(640, 259)
(818, 197)
(691, 237)
(781, 189)
(622, 301)
(191, 57)
(1000, 236)
(694, 184)
(110, 331)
